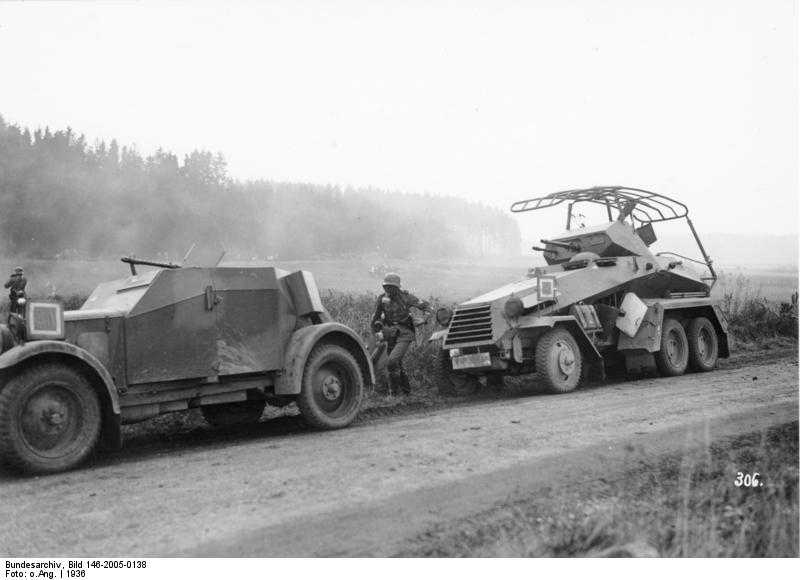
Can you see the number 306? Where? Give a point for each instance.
(747, 480)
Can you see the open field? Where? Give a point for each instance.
(455, 281)
(449, 281)
(773, 284)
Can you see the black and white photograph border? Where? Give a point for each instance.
(507, 281)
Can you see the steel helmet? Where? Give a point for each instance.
(391, 279)
(18, 269)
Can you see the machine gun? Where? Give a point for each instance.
(133, 262)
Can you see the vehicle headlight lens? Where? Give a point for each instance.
(443, 316)
(454, 352)
(514, 307)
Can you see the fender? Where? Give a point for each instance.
(303, 341)
(569, 322)
(23, 352)
(649, 335)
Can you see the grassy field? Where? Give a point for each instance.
(447, 280)
(775, 285)
(680, 505)
(457, 281)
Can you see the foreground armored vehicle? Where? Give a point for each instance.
(228, 340)
(603, 299)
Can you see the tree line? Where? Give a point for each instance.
(63, 197)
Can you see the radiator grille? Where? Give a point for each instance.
(470, 324)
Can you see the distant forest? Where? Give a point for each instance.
(63, 197)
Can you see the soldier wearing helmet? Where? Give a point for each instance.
(393, 318)
(16, 289)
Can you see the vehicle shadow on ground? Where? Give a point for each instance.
(172, 439)
(201, 436)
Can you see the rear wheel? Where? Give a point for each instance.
(332, 388)
(559, 362)
(703, 344)
(673, 357)
(232, 414)
(49, 419)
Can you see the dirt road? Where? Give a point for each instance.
(367, 489)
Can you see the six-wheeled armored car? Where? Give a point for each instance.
(603, 299)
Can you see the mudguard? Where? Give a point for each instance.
(25, 351)
(569, 322)
(303, 341)
(649, 335)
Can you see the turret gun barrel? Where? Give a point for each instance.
(572, 246)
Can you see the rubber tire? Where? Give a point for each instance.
(312, 413)
(233, 414)
(15, 452)
(547, 370)
(450, 384)
(696, 361)
(665, 366)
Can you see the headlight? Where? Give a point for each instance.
(514, 307)
(454, 352)
(21, 301)
(443, 316)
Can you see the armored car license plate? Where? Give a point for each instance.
(471, 361)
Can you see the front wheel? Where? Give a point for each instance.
(332, 388)
(49, 419)
(559, 362)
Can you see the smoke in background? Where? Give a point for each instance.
(62, 198)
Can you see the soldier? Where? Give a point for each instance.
(393, 318)
(16, 290)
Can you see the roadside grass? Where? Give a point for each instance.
(755, 320)
(678, 505)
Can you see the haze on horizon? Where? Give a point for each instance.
(489, 101)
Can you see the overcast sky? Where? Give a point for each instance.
(491, 101)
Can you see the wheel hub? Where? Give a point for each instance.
(674, 348)
(566, 358)
(50, 418)
(54, 417)
(331, 388)
(704, 344)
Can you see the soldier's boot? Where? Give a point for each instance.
(404, 383)
(393, 384)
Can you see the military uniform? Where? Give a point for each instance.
(392, 312)
(16, 287)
